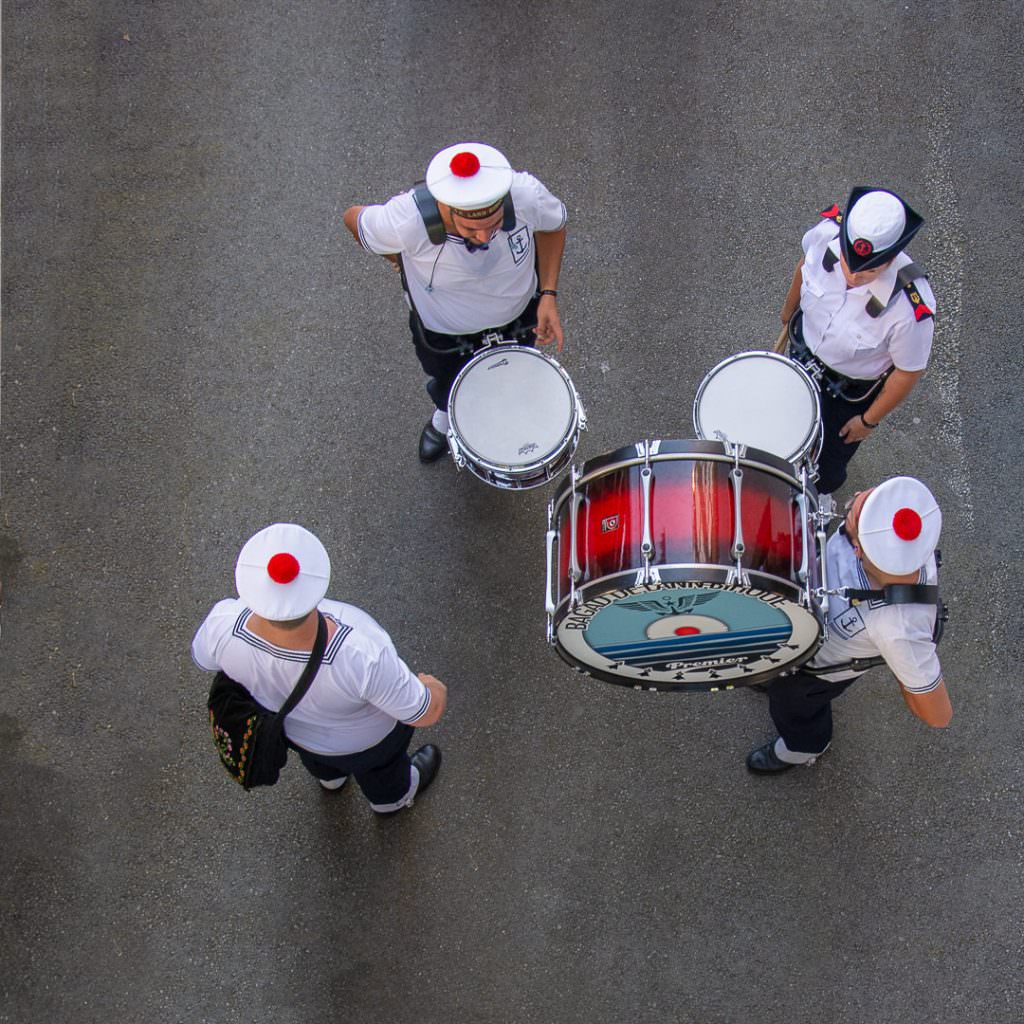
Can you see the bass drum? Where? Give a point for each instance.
(668, 571)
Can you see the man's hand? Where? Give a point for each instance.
(438, 699)
(854, 430)
(549, 324)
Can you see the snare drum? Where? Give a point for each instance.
(515, 417)
(764, 400)
(676, 565)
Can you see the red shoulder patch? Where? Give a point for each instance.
(921, 312)
(832, 213)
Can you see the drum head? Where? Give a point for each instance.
(512, 406)
(759, 399)
(687, 635)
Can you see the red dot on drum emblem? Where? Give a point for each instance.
(465, 165)
(906, 524)
(687, 631)
(283, 568)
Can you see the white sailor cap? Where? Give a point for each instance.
(471, 177)
(899, 525)
(877, 226)
(282, 572)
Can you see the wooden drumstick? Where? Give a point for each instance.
(783, 340)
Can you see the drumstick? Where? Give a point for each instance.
(783, 339)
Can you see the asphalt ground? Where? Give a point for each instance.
(194, 348)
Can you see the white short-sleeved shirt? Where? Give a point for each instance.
(360, 691)
(900, 633)
(836, 325)
(456, 291)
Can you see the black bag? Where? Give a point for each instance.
(249, 737)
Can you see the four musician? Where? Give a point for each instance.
(479, 247)
(480, 250)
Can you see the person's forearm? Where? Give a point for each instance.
(899, 384)
(351, 219)
(438, 700)
(932, 708)
(550, 246)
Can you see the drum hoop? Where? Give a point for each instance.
(807, 444)
(517, 474)
(570, 437)
(746, 462)
(711, 573)
(682, 687)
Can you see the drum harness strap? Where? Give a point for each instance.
(891, 593)
(465, 344)
(849, 389)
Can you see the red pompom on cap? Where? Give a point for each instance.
(465, 165)
(282, 567)
(687, 631)
(906, 524)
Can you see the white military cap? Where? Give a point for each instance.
(877, 225)
(899, 525)
(469, 176)
(282, 572)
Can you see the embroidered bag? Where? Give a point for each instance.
(249, 737)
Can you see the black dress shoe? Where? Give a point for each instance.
(427, 760)
(433, 444)
(765, 761)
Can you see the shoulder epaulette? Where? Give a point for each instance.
(905, 278)
(833, 213)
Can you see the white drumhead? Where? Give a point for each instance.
(512, 406)
(761, 400)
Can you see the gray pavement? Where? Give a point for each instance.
(195, 348)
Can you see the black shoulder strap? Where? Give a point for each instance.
(508, 214)
(905, 278)
(897, 593)
(427, 205)
(909, 593)
(316, 657)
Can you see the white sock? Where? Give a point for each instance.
(440, 421)
(406, 801)
(783, 753)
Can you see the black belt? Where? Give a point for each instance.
(838, 385)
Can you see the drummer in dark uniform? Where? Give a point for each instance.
(480, 250)
(861, 318)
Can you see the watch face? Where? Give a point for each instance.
(687, 635)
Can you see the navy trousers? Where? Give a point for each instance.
(382, 771)
(801, 708)
(835, 452)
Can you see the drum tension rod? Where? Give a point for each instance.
(739, 574)
(647, 543)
